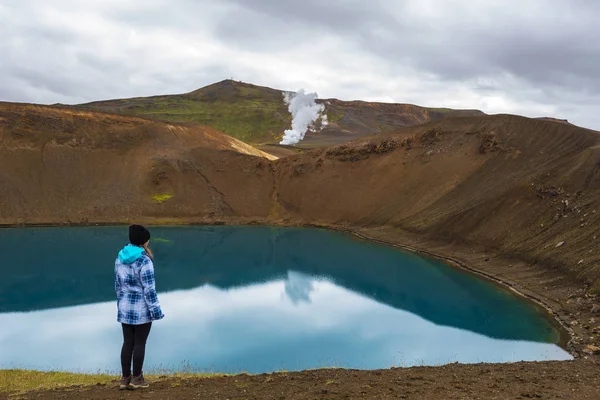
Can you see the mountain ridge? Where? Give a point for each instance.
(259, 115)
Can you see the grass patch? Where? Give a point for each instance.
(252, 114)
(161, 198)
(595, 288)
(18, 381)
(161, 240)
(334, 114)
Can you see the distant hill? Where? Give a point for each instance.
(258, 115)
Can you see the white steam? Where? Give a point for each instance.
(305, 112)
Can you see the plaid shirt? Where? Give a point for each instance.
(137, 301)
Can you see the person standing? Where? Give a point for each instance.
(137, 304)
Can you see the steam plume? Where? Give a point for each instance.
(305, 112)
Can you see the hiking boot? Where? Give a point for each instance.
(138, 382)
(124, 382)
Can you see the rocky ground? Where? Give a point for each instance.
(549, 380)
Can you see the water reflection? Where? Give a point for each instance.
(61, 272)
(298, 287)
(257, 299)
(255, 329)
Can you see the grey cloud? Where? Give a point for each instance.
(334, 15)
(278, 23)
(554, 49)
(166, 15)
(564, 47)
(532, 57)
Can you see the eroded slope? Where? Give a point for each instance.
(65, 165)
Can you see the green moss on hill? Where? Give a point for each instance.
(250, 113)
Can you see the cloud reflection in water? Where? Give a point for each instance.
(291, 324)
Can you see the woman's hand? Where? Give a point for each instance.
(148, 251)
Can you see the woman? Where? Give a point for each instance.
(137, 304)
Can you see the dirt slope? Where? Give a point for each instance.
(66, 165)
(510, 183)
(257, 114)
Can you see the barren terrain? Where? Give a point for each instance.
(552, 380)
(514, 198)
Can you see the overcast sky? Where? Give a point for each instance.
(528, 57)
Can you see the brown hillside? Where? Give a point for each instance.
(354, 119)
(507, 183)
(67, 165)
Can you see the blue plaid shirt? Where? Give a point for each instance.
(137, 301)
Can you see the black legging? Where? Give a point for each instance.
(134, 346)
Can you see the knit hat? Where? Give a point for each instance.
(138, 235)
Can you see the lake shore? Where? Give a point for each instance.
(566, 299)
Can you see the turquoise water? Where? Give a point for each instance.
(256, 299)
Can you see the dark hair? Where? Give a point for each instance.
(138, 235)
